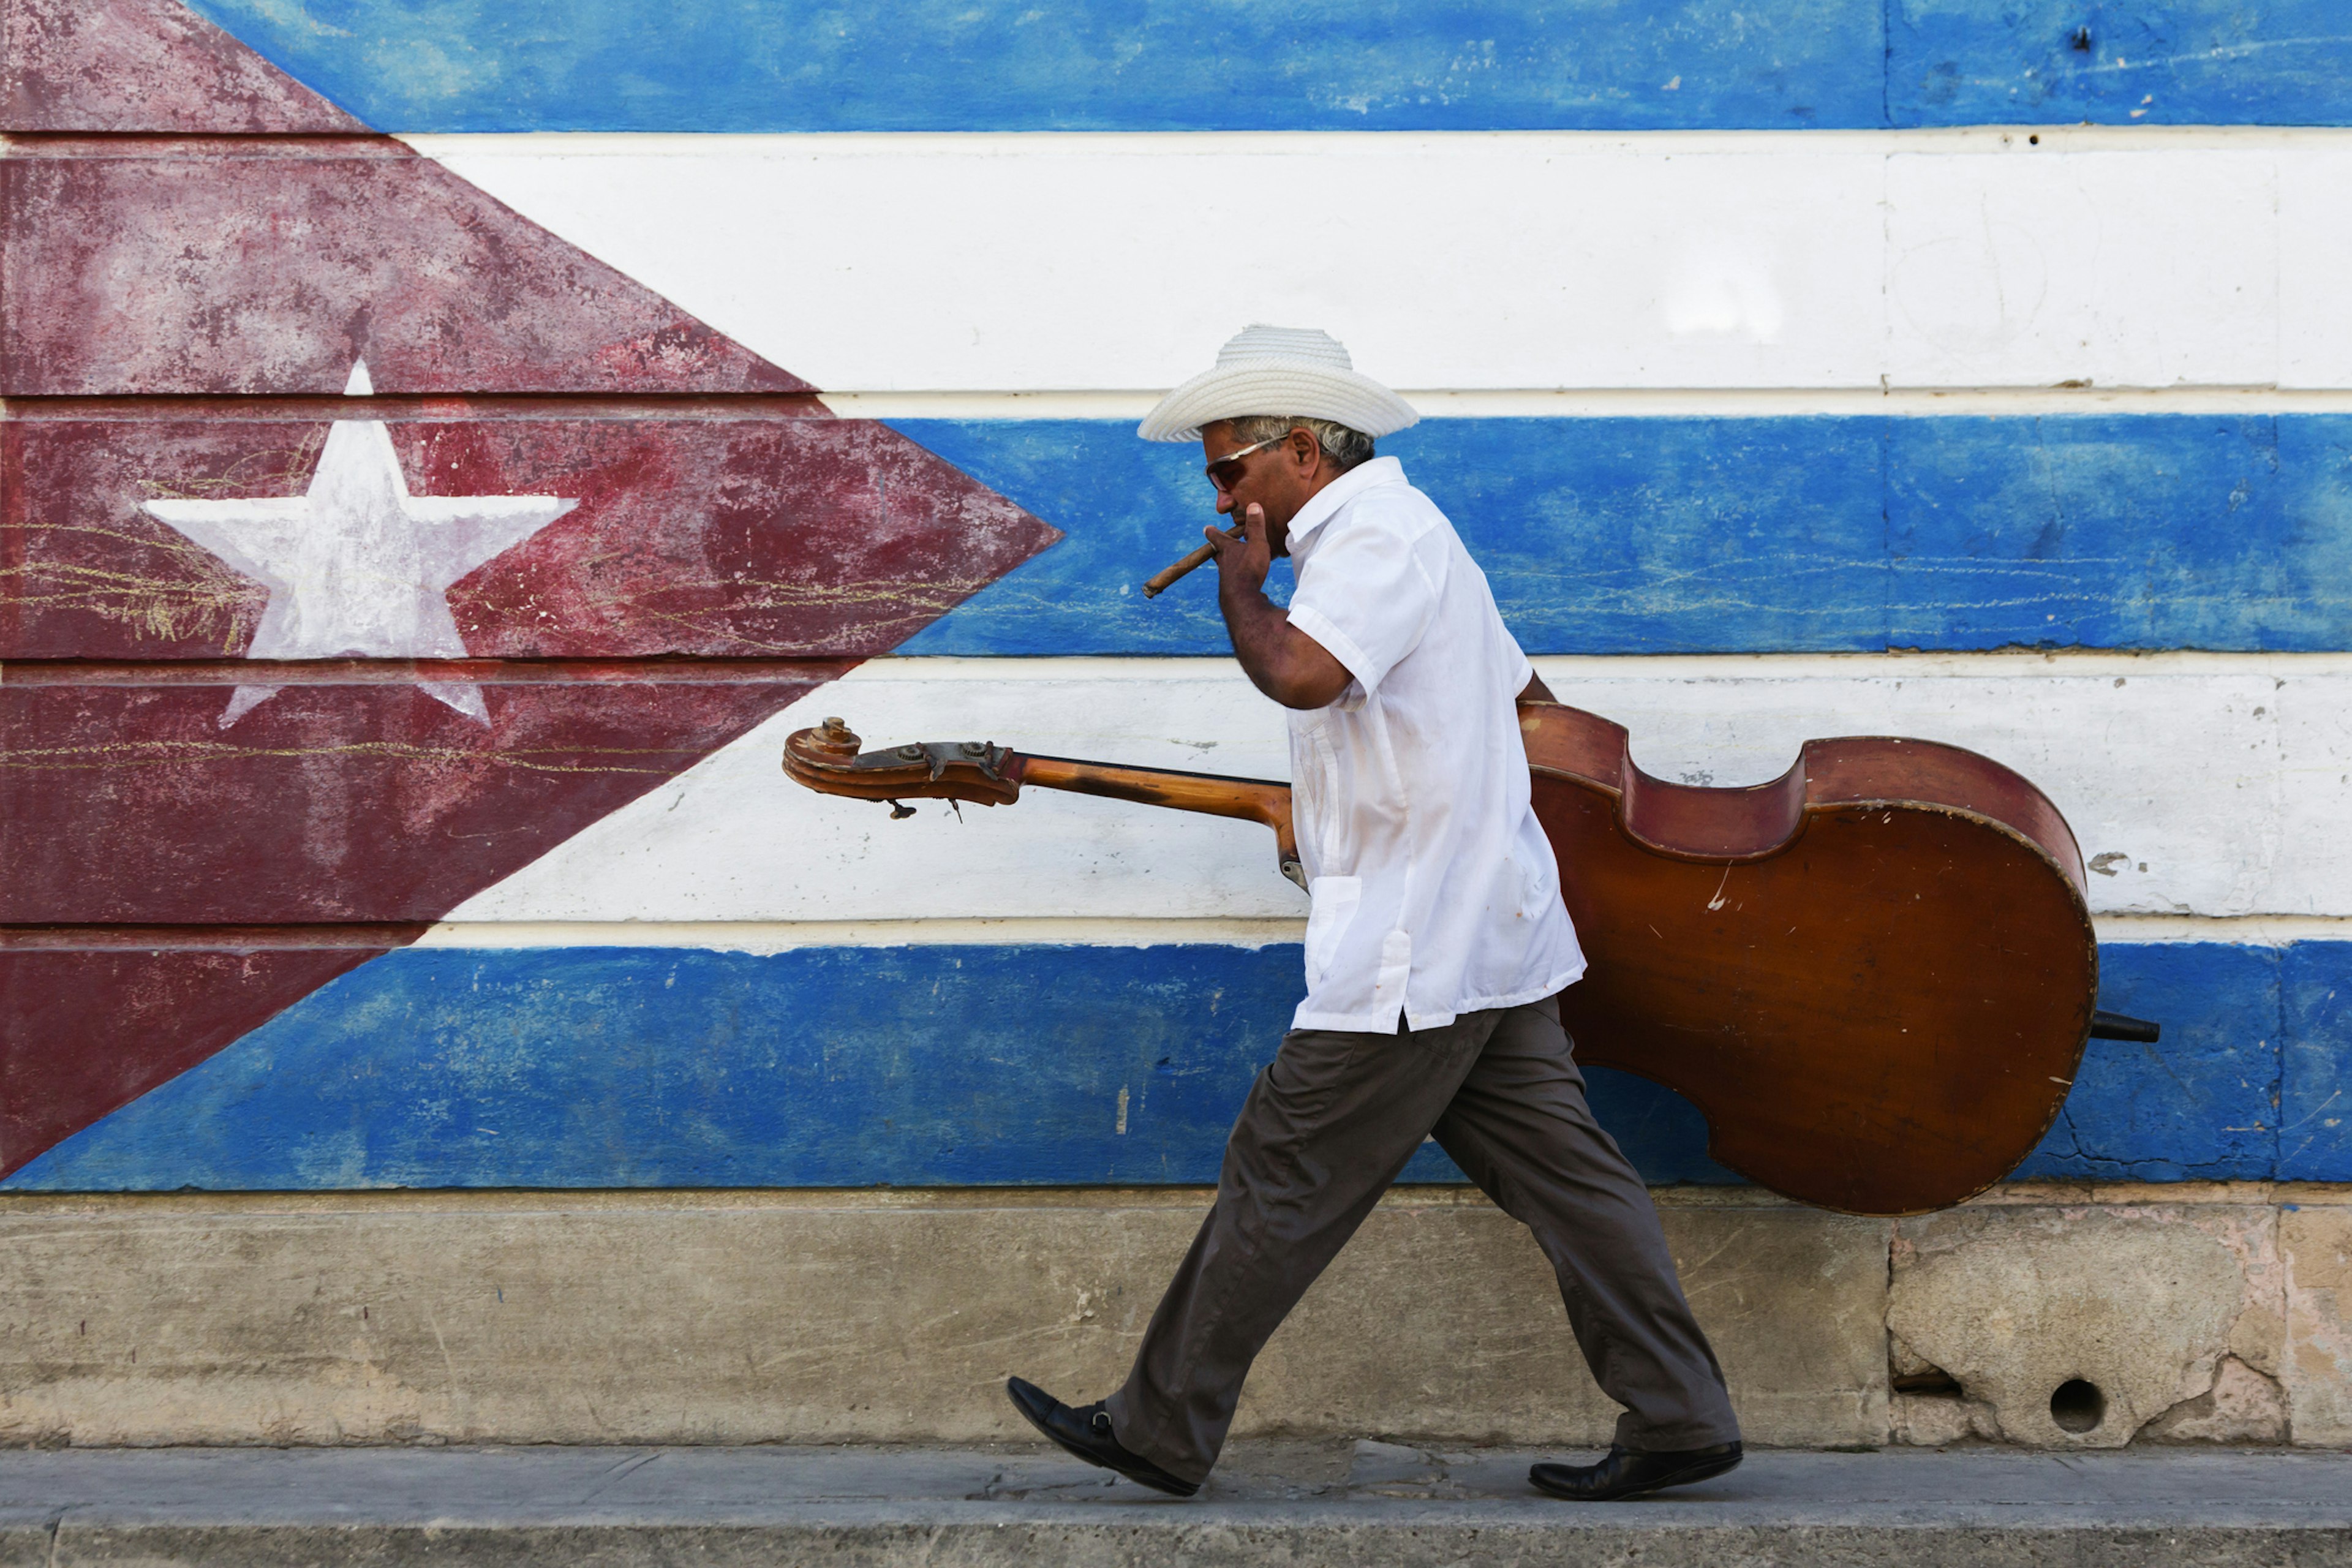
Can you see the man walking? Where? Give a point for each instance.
(1436, 945)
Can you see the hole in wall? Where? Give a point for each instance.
(1933, 1380)
(2077, 1406)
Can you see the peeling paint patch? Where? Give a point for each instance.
(2242, 1406)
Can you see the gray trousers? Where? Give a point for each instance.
(1325, 1131)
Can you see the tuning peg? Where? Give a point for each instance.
(835, 739)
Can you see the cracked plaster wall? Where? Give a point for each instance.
(2145, 1302)
(2207, 1314)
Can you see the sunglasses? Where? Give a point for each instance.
(1227, 471)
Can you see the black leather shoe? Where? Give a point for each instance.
(1087, 1433)
(1627, 1473)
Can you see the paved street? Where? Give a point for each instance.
(1364, 1503)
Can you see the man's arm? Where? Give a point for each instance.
(1281, 660)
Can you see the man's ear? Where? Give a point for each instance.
(1310, 454)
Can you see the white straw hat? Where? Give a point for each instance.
(1279, 371)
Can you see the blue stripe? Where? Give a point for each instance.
(1452, 65)
(2119, 63)
(1089, 65)
(1707, 535)
(2315, 1101)
(850, 1066)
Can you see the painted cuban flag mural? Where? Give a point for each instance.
(414, 547)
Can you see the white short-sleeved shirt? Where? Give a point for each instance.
(1434, 890)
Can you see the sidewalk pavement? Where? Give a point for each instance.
(1295, 1504)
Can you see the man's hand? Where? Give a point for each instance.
(1245, 560)
(1280, 660)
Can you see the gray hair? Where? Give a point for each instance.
(1343, 446)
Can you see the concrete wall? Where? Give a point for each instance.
(2202, 1312)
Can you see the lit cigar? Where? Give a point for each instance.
(1177, 571)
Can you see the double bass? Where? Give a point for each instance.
(1874, 976)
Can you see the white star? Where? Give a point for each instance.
(358, 566)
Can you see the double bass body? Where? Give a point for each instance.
(1873, 976)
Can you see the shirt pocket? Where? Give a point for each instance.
(1334, 910)
(1536, 889)
(1334, 810)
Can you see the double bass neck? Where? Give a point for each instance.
(1211, 794)
(828, 759)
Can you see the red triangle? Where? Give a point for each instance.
(144, 65)
(255, 241)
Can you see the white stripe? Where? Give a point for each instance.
(2210, 786)
(1471, 262)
